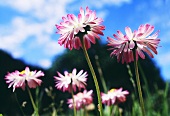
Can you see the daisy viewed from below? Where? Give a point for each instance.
(139, 41)
(70, 81)
(85, 26)
(114, 96)
(20, 79)
(81, 99)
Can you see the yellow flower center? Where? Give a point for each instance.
(77, 25)
(22, 72)
(111, 91)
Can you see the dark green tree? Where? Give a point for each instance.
(115, 74)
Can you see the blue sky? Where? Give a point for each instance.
(27, 27)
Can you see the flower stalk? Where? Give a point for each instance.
(131, 78)
(32, 101)
(74, 106)
(101, 74)
(94, 78)
(19, 104)
(139, 87)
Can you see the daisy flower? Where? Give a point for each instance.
(114, 96)
(85, 27)
(81, 99)
(20, 79)
(139, 41)
(71, 80)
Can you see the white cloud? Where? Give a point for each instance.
(47, 13)
(100, 4)
(21, 31)
(45, 63)
(102, 14)
(21, 28)
(114, 2)
(38, 8)
(52, 48)
(37, 19)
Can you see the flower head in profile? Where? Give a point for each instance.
(81, 99)
(114, 96)
(70, 81)
(138, 42)
(21, 79)
(85, 27)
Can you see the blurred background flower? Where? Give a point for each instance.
(21, 79)
(114, 96)
(81, 99)
(70, 81)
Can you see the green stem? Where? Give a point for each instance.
(101, 74)
(19, 104)
(115, 111)
(94, 78)
(32, 101)
(110, 110)
(139, 88)
(74, 106)
(131, 78)
(37, 97)
(118, 112)
(85, 111)
(144, 78)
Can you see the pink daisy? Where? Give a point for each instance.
(85, 26)
(20, 79)
(81, 99)
(114, 96)
(71, 80)
(139, 41)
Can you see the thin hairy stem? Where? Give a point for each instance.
(19, 105)
(139, 88)
(32, 101)
(74, 106)
(101, 74)
(94, 78)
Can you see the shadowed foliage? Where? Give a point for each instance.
(115, 74)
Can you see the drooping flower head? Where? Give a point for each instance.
(85, 26)
(139, 41)
(71, 80)
(114, 96)
(21, 79)
(81, 99)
